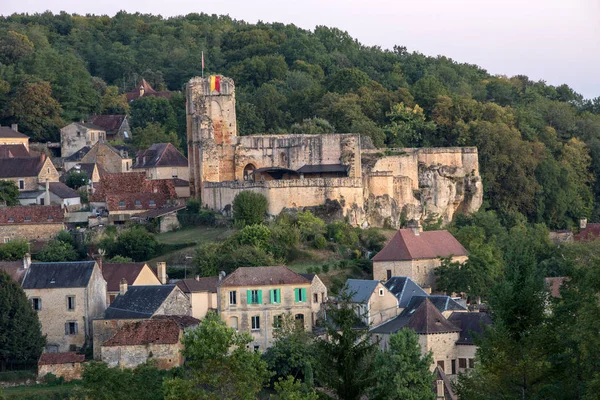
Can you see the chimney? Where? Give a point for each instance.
(123, 286)
(197, 277)
(15, 127)
(141, 90)
(440, 389)
(415, 226)
(221, 275)
(582, 223)
(26, 260)
(47, 195)
(161, 271)
(99, 262)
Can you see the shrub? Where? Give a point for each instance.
(310, 270)
(316, 270)
(76, 179)
(14, 250)
(372, 239)
(342, 233)
(325, 268)
(193, 206)
(310, 226)
(285, 235)
(136, 243)
(249, 208)
(255, 235)
(320, 242)
(206, 217)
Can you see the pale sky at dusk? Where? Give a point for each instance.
(554, 40)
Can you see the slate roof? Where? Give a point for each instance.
(108, 122)
(360, 290)
(405, 245)
(7, 132)
(14, 269)
(160, 155)
(469, 323)
(13, 150)
(79, 154)
(30, 194)
(138, 302)
(404, 289)
(63, 191)
(114, 272)
(20, 167)
(441, 302)
(310, 277)
(37, 215)
(206, 284)
(151, 331)
(257, 276)
(324, 168)
(58, 275)
(61, 358)
(159, 212)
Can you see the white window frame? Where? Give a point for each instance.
(255, 322)
(233, 296)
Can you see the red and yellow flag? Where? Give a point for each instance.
(215, 83)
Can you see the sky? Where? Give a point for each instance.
(557, 41)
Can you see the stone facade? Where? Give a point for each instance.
(30, 231)
(168, 222)
(421, 271)
(110, 159)
(104, 329)
(382, 306)
(77, 135)
(319, 297)
(166, 356)
(380, 186)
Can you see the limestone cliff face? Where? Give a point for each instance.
(420, 184)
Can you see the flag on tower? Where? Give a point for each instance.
(215, 83)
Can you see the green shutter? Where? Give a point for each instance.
(304, 294)
(260, 298)
(249, 294)
(296, 295)
(278, 295)
(272, 296)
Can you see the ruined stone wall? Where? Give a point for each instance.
(104, 329)
(73, 137)
(30, 231)
(69, 371)
(166, 356)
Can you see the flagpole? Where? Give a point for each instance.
(203, 65)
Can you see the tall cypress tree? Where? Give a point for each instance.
(21, 337)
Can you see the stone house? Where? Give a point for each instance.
(16, 269)
(253, 300)
(444, 337)
(79, 134)
(157, 339)
(116, 126)
(12, 136)
(202, 293)
(28, 172)
(107, 157)
(416, 254)
(162, 161)
(67, 297)
(319, 295)
(66, 365)
(373, 302)
(139, 274)
(164, 219)
(30, 222)
(142, 89)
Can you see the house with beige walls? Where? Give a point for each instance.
(373, 302)
(416, 254)
(138, 274)
(28, 172)
(254, 299)
(164, 161)
(67, 297)
(107, 157)
(77, 135)
(202, 293)
(12, 136)
(319, 295)
(30, 222)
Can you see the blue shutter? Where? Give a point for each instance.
(278, 295)
(272, 296)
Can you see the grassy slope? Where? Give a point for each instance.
(50, 392)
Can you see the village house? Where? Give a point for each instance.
(157, 340)
(77, 135)
(12, 136)
(138, 273)
(144, 89)
(52, 193)
(254, 299)
(116, 126)
(28, 172)
(202, 293)
(162, 161)
(319, 295)
(449, 339)
(30, 222)
(108, 158)
(67, 297)
(416, 254)
(16, 269)
(14, 151)
(371, 300)
(67, 365)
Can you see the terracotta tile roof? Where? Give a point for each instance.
(151, 331)
(589, 233)
(108, 122)
(13, 150)
(405, 245)
(132, 182)
(129, 201)
(20, 167)
(61, 358)
(207, 284)
(160, 155)
(114, 272)
(7, 132)
(36, 214)
(148, 91)
(256, 276)
(14, 269)
(428, 320)
(554, 285)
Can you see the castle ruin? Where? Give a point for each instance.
(369, 187)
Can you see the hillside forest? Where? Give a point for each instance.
(539, 145)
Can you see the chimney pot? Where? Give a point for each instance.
(161, 271)
(15, 127)
(26, 260)
(582, 223)
(123, 286)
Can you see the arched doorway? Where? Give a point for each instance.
(248, 169)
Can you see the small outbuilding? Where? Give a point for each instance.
(66, 365)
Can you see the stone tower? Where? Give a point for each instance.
(211, 131)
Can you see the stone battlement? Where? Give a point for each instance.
(288, 183)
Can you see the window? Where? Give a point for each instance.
(71, 303)
(277, 321)
(127, 165)
(21, 184)
(300, 295)
(233, 323)
(174, 173)
(138, 203)
(441, 364)
(71, 328)
(275, 296)
(121, 203)
(453, 364)
(471, 363)
(11, 219)
(50, 217)
(27, 219)
(233, 298)
(36, 302)
(254, 296)
(48, 169)
(78, 134)
(248, 170)
(152, 203)
(389, 274)
(256, 348)
(316, 297)
(462, 363)
(299, 319)
(42, 201)
(255, 323)
(6, 240)
(381, 292)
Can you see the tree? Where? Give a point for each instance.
(292, 389)
(152, 133)
(249, 208)
(346, 359)
(153, 110)
(219, 364)
(408, 127)
(9, 193)
(57, 251)
(21, 337)
(312, 126)
(403, 373)
(76, 179)
(136, 243)
(114, 103)
(36, 111)
(14, 250)
(14, 46)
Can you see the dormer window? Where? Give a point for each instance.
(11, 219)
(138, 203)
(27, 219)
(121, 203)
(152, 203)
